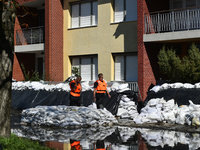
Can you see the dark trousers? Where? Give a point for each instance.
(75, 101)
(100, 97)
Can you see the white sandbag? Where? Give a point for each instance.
(188, 85)
(165, 86)
(156, 88)
(123, 86)
(93, 105)
(121, 111)
(177, 85)
(115, 86)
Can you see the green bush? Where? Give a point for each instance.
(30, 76)
(186, 69)
(75, 71)
(17, 143)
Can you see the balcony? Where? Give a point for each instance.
(173, 21)
(30, 40)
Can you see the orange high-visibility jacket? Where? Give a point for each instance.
(76, 144)
(75, 93)
(102, 86)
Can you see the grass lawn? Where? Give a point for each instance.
(17, 143)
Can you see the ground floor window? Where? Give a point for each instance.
(87, 66)
(126, 67)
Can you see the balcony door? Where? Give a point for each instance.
(40, 66)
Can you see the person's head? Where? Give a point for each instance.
(78, 79)
(100, 76)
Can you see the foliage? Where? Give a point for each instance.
(75, 71)
(30, 76)
(177, 70)
(15, 143)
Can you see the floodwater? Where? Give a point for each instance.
(113, 138)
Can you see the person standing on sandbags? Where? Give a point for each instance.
(100, 90)
(75, 93)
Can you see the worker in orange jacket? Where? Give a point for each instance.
(100, 90)
(75, 93)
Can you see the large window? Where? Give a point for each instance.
(88, 67)
(126, 68)
(84, 14)
(125, 10)
(175, 4)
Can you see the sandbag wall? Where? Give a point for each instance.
(30, 98)
(180, 95)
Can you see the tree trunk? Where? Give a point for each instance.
(7, 17)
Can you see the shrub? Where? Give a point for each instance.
(180, 70)
(75, 71)
(30, 76)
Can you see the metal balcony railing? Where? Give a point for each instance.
(172, 20)
(28, 36)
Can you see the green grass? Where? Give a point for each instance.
(17, 143)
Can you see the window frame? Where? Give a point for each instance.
(91, 14)
(124, 12)
(91, 57)
(125, 68)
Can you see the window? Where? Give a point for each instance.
(84, 14)
(126, 68)
(125, 10)
(88, 67)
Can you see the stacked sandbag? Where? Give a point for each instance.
(36, 86)
(160, 110)
(152, 112)
(67, 116)
(177, 85)
(127, 108)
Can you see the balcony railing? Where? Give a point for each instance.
(28, 36)
(172, 20)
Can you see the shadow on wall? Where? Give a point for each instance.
(129, 30)
(103, 1)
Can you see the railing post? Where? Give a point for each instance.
(188, 19)
(158, 22)
(23, 37)
(145, 24)
(40, 35)
(31, 36)
(173, 23)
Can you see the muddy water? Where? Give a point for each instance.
(113, 138)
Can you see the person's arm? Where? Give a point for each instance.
(80, 88)
(108, 93)
(95, 90)
(74, 86)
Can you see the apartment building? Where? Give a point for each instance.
(92, 35)
(174, 23)
(101, 36)
(39, 39)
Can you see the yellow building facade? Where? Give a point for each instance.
(102, 41)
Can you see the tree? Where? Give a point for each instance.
(7, 21)
(170, 64)
(186, 69)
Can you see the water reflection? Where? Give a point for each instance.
(112, 138)
(115, 138)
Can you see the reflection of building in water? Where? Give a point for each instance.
(58, 145)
